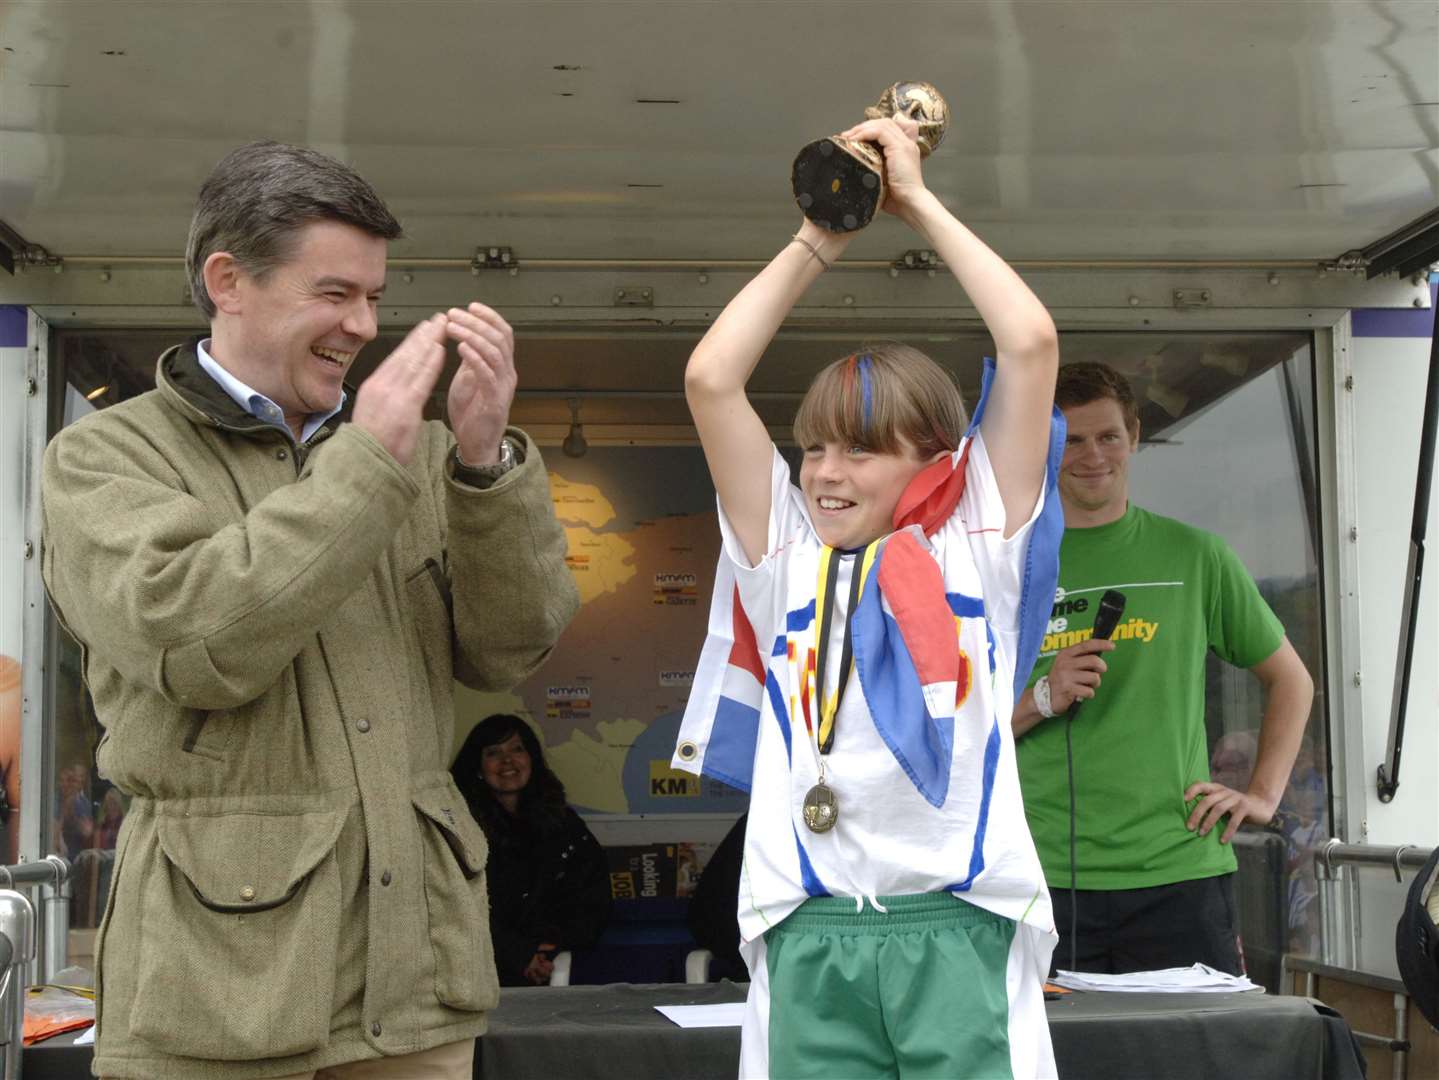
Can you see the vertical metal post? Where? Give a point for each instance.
(1343, 638)
(34, 739)
(1354, 917)
(1401, 1036)
(54, 921)
(17, 923)
(1329, 907)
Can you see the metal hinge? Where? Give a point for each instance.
(634, 296)
(492, 258)
(35, 255)
(1350, 260)
(916, 259)
(18, 253)
(1191, 298)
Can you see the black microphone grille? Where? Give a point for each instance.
(1111, 610)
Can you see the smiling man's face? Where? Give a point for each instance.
(303, 323)
(1094, 475)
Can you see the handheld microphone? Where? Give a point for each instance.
(1111, 610)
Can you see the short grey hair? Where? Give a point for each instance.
(258, 198)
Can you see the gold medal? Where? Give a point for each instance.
(821, 808)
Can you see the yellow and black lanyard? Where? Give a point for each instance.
(829, 562)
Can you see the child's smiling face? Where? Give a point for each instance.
(852, 491)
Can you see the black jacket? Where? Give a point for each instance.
(547, 885)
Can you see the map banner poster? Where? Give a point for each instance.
(643, 540)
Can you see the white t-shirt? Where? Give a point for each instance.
(890, 838)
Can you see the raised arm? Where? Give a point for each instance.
(737, 447)
(1016, 419)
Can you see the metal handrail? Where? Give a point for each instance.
(52, 876)
(51, 870)
(17, 925)
(18, 916)
(1403, 857)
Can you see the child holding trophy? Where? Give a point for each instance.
(867, 634)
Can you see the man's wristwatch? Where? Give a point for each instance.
(488, 474)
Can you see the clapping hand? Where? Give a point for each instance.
(391, 402)
(484, 386)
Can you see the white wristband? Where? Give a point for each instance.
(1041, 697)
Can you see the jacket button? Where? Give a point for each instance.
(385, 878)
(375, 1029)
(362, 725)
(247, 893)
(282, 454)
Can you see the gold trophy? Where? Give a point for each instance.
(839, 183)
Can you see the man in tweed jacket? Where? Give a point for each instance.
(275, 583)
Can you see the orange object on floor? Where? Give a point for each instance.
(51, 1010)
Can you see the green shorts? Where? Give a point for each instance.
(918, 989)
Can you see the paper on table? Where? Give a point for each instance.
(1198, 979)
(729, 1014)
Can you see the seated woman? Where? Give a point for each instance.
(548, 882)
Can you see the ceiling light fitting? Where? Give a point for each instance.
(575, 444)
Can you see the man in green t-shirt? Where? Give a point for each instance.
(1154, 872)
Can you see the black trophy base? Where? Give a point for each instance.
(835, 190)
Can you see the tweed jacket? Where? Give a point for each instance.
(270, 634)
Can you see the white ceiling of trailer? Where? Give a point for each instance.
(1084, 129)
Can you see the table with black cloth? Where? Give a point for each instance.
(614, 1031)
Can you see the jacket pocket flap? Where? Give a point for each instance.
(446, 808)
(248, 861)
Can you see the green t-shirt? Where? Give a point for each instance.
(1140, 742)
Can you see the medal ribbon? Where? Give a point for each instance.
(824, 604)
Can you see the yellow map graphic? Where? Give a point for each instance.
(593, 768)
(583, 504)
(600, 562)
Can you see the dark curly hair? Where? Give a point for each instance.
(542, 801)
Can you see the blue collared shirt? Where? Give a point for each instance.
(256, 403)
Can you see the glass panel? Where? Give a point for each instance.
(87, 810)
(99, 370)
(1240, 467)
